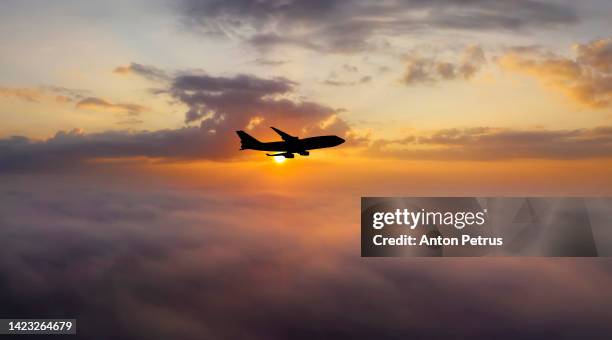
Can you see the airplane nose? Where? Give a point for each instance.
(340, 140)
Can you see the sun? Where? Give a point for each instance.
(279, 159)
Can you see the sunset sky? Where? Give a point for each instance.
(118, 144)
(407, 80)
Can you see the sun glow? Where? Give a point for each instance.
(279, 159)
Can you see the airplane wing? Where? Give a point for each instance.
(286, 137)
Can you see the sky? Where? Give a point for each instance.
(125, 197)
(401, 81)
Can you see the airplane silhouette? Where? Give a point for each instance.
(289, 145)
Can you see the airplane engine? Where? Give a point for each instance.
(304, 153)
(288, 155)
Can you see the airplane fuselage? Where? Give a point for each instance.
(299, 145)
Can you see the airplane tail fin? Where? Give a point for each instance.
(246, 141)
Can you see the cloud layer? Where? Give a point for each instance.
(156, 264)
(72, 148)
(486, 143)
(352, 26)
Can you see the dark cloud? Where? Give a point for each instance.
(429, 70)
(587, 78)
(484, 143)
(351, 26)
(231, 103)
(71, 148)
(170, 264)
(221, 105)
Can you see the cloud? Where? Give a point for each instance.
(485, 143)
(361, 80)
(26, 94)
(352, 26)
(72, 148)
(60, 95)
(130, 121)
(587, 78)
(346, 75)
(269, 62)
(428, 70)
(64, 94)
(230, 103)
(220, 105)
(98, 104)
(350, 68)
(597, 54)
(109, 257)
(81, 99)
(146, 71)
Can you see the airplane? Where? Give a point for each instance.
(289, 145)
